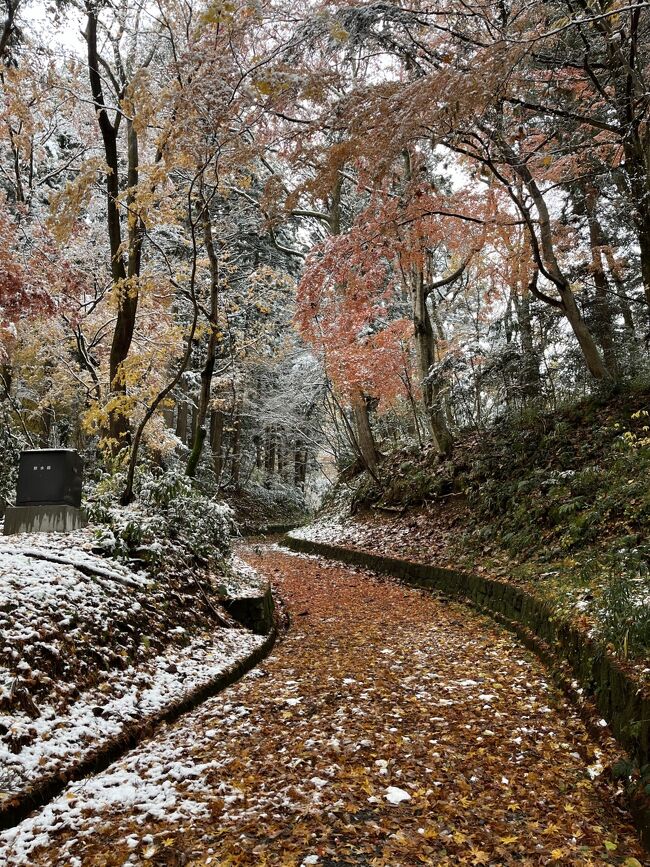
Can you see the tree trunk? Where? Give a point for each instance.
(257, 443)
(299, 466)
(6, 378)
(544, 252)
(603, 314)
(281, 455)
(590, 352)
(425, 351)
(211, 356)
(181, 422)
(278, 453)
(47, 418)
(235, 464)
(193, 424)
(637, 170)
(270, 452)
(216, 442)
(365, 439)
(623, 303)
(126, 290)
(531, 385)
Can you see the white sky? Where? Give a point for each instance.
(64, 37)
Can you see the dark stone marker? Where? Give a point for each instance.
(48, 494)
(49, 477)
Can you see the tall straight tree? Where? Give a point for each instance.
(125, 252)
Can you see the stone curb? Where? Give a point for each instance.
(617, 696)
(115, 748)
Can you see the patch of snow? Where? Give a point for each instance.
(319, 782)
(246, 583)
(49, 608)
(61, 740)
(395, 796)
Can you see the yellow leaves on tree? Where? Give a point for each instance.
(69, 204)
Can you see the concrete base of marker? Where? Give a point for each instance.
(42, 519)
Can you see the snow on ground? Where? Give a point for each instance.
(245, 582)
(327, 528)
(150, 785)
(58, 742)
(89, 647)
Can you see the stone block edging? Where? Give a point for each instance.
(618, 697)
(13, 812)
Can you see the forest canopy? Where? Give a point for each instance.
(255, 244)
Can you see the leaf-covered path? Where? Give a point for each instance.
(387, 728)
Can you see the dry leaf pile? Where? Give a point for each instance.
(387, 728)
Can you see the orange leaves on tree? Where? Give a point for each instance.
(23, 287)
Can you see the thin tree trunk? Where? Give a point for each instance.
(544, 253)
(194, 423)
(257, 443)
(211, 356)
(281, 455)
(181, 421)
(636, 165)
(603, 314)
(299, 466)
(128, 493)
(125, 290)
(270, 452)
(425, 351)
(365, 439)
(531, 385)
(623, 303)
(6, 379)
(235, 464)
(216, 442)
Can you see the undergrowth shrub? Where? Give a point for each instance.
(623, 611)
(10, 446)
(170, 518)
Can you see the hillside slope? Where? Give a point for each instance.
(560, 503)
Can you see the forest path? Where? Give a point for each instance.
(386, 728)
